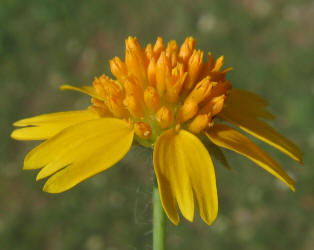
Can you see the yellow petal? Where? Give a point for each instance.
(168, 200)
(169, 168)
(45, 126)
(264, 132)
(183, 167)
(227, 137)
(82, 150)
(248, 103)
(88, 90)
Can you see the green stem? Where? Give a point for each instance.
(159, 222)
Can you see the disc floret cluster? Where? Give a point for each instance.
(160, 87)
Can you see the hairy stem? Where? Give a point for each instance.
(159, 222)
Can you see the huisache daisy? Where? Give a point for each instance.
(164, 97)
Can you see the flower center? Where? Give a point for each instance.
(160, 87)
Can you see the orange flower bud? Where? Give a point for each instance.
(99, 87)
(162, 73)
(219, 76)
(187, 111)
(195, 65)
(113, 95)
(214, 106)
(118, 69)
(116, 106)
(143, 130)
(175, 84)
(98, 103)
(151, 72)
(186, 49)
(218, 64)
(199, 123)
(132, 87)
(135, 59)
(172, 52)
(218, 104)
(134, 106)
(151, 99)
(149, 52)
(218, 89)
(164, 117)
(207, 68)
(158, 47)
(201, 91)
(100, 111)
(111, 87)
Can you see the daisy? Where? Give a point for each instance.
(166, 98)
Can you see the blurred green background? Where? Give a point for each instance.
(44, 44)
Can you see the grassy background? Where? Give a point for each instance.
(47, 43)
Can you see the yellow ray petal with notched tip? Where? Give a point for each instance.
(248, 103)
(45, 126)
(264, 132)
(80, 152)
(88, 90)
(227, 137)
(183, 167)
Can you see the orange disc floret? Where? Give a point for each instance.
(143, 130)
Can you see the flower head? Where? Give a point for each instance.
(164, 97)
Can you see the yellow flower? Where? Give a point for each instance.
(165, 98)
